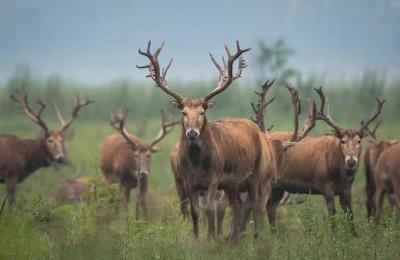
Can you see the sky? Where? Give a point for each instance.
(96, 41)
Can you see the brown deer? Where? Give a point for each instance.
(323, 165)
(126, 159)
(371, 155)
(387, 180)
(72, 189)
(21, 157)
(228, 154)
(281, 140)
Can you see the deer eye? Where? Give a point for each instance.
(202, 113)
(343, 141)
(50, 141)
(184, 113)
(359, 141)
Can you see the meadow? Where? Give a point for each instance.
(41, 228)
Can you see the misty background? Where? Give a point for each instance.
(352, 48)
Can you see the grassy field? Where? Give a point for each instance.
(40, 228)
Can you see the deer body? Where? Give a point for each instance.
(387, 180)
(371, 155)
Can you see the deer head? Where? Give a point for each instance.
(350, 139)
(141, 151)
(194, 110)
(53, 139)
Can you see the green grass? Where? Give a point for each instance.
(39, 228)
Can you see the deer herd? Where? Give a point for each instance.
(228, 161)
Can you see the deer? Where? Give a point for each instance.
(228, 154)
(73, 189)
(323, 164)
(126, 159)
(21, 157)
(372, 153)
(387, 180)
(281, 140)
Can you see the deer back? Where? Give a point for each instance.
(117, 157)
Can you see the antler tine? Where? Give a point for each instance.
(296, 109)
(224, 80)
(159, 77)
(310, 120)
(373, 132)
(320, 115)
(166, 127)
(118, 123)
(262, 104)
(21, 97)
(75, 111)
(374, 116)
(58, 112)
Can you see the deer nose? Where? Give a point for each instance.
(192, 134)
(351, 162)
(60, 159)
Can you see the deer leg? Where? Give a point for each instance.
(253, 190)
(141, 200)
(195, 211)
(378, 201)
(345, 202)
(183, 198)
(272, 206)
(330, 203)
(245, 215)
(236, 209)
(2, 204)
(221, 209)
(210, 207)
(11, 186)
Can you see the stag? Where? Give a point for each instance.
(371, 155)
(281, 140)
(126, 159)
(227, 154)
(21, 157)
(387, 180)
(324, 165)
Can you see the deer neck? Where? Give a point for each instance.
(196, 149)
(38, 155)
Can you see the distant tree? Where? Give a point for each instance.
(272, 61)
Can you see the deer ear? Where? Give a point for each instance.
(177, 104)
(208, 104)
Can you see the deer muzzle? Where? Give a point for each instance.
(192, 134)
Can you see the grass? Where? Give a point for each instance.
(40, 228)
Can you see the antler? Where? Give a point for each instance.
(320, 115)
(373, 132)
(225, 80)
(118, 123)
(154, 68)
(311, 114)
(78, 106)
(58, 112)
(261, 105)
(364, 124)
(21, 97)
(166, 127)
